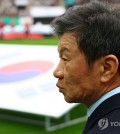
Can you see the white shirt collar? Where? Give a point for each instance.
(101, 99)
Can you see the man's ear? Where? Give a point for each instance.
(109, 67)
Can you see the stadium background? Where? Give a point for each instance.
(16, 14)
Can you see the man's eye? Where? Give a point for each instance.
(64, 59)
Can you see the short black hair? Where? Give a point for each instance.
(97, 28)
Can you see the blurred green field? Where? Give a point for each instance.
(44, 41)
(14, 127)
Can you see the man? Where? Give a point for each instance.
(88, 71)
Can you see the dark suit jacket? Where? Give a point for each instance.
(106, 118)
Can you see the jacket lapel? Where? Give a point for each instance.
(102, 110)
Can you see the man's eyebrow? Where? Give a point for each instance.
(62, 50)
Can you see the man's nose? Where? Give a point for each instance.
(58, 73)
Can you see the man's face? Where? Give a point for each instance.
(76, 80)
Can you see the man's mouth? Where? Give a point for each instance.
(60, 88)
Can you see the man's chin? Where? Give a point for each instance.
(68, 100)
(71, 100)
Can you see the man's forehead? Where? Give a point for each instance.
(67, 36)
(63, 49)
(67, 39)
